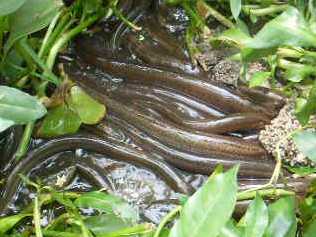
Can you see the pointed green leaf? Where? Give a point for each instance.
(17, 107)
(107, 203)
(230, 230)
(209, 209)
(282, 219)
(7, 223)
(105, 223)
(235, 7)
(256, 218)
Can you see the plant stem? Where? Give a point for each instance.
(265, 11)
(37, 217)
(167, 219)
(48, 34)
(263, 193)
(47, 71)
(24, 144)
(64, 39)
(63, 22)
(130, 231)
(119, 14)
(217, 15)
(60, 233)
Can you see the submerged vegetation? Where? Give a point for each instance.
(44, 90)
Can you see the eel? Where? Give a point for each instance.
(187, 161)
(115, 150)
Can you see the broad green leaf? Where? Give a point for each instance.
(107, 203)
(310, 107)
(9, 6)
(230, 230)
(210, 208)
(235, 7)
(105, 223)
(282, 219)
(59, 121)
(33, 16)
(7, 223)
(310, 231)
(306, 143)
(259, 78)
(18, 107)
(5, 124)
(290, 28)
(89, 110)
(256, 218)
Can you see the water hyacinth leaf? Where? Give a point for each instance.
(7, 223)
(89, 110)
(109, 204)
(259, 79)
(31, 17)
(256, 218)
(309, 108)
(207, 205)
(290, 28)
(235, 7)
(282, 219)
(306, 143)
(105, 223)
(59, 121)
(7, 7)
(18, 107)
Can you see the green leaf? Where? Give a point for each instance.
(259, 78)
(17, 107)
(59, 121)
(5, 124)
(107, 203)
(33, 16)
(282, 219)
(9, 6)
(210, 208)
(310, 107)
(105, 223)
(230, 230)
(310, 230)
(235, 7)
(306, 143)
(301, 170)
(256, 218)
(298, 74)
(235, 35)
(7, 223)
(89, 110)
(290, 28)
